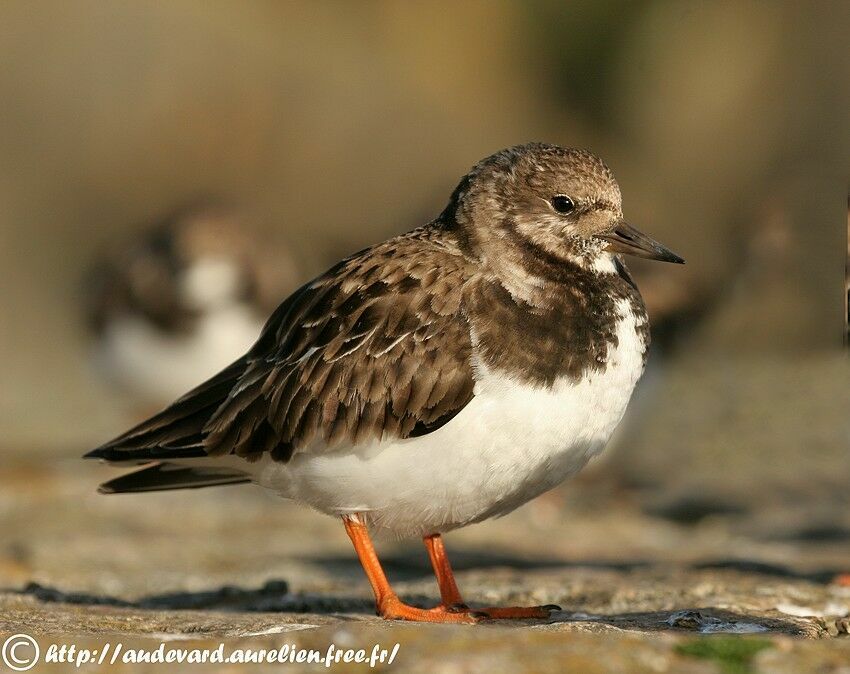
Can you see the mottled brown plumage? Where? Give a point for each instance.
(385, 344)
(376, 347)
(558, 348)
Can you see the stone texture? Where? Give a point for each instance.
(656, 568)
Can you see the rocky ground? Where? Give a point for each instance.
(656, 567)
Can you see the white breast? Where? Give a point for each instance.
(512, 442)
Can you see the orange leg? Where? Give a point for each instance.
(387, 602)
(452, 602)
(449, 594)
(451, 609)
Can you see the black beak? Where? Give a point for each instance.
(626, 239)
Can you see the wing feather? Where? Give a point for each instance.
(356, 360)
(377, 347)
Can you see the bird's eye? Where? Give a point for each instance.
(562, 204)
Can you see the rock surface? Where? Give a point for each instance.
(654, 575)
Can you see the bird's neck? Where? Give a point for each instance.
(552, 318)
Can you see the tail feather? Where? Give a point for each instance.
(178, 431)
(165, 476)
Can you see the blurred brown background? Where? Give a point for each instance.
(338, 124)
(332, 125)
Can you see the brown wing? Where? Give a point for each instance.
(377, 347)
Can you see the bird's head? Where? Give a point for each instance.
(548, 200)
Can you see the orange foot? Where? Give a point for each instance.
(394, 609)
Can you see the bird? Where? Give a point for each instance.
(178, 301)
(440, 378)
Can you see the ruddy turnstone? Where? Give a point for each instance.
(440, 378)
(179, 302)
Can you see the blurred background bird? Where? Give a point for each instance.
(181, 299)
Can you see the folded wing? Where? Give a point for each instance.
(348, 357)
